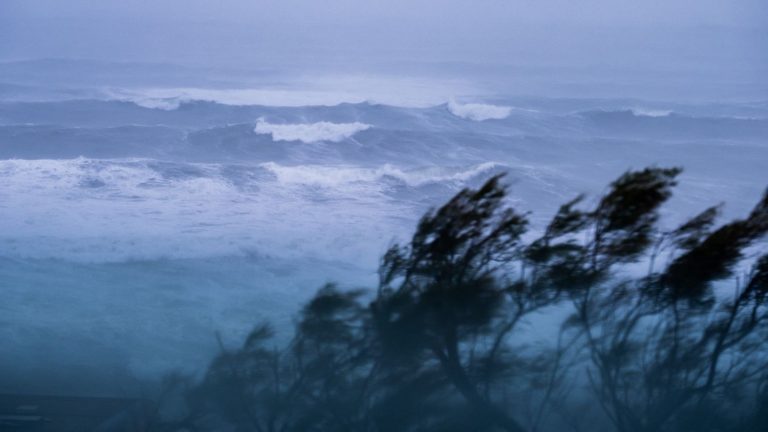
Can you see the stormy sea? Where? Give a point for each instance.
(143, 223)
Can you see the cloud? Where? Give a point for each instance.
(310, 132)
(478, 112)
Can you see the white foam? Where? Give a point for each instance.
(137, 209)
(310, 132)
(307, 91)
(165, 104)
(643, 112)
(479, 112)
(331, 177)
(236, 96)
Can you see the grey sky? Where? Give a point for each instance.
(727, 39)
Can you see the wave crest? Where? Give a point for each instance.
(310, 132)
(329, 176)
(479, 112)
(643, 112)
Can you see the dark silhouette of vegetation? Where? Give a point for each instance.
(605, 321)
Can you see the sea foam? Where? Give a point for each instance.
(310, 132)
(479, 112)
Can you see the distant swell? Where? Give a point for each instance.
(667, 125)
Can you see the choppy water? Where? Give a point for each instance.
(135, 226)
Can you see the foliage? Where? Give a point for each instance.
(473, 328)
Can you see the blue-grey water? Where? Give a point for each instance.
(138, 222)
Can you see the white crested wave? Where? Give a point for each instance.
(97, 210)
(165, 104)
(479, 112)
(327, 176)
(170, 98)
(643, 112)
(307, 91)
(310, 132)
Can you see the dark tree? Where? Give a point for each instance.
(668, 347)
(648, 331)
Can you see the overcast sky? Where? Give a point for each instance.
(441, 29)
(727, 39)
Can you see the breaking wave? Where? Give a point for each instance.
(326, 176)
(643, 112)
(171, 98)
(98, 210)
(310, 132)
(479, 112)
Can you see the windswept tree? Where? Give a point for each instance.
(650, 328)
(666, 347)
(454, 297)
(320, 381)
